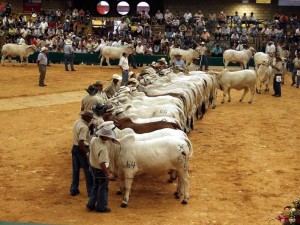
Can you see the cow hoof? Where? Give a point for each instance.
(170, 181)
(249, 102)
(214, 107)
(177, 196)
(184, 202)
(229, 100)
(119, 192)
(123, 205)
(175, 193)
(240, 100)
(222, 102)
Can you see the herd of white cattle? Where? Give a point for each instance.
(166, 97)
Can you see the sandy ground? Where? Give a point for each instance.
(245, 166)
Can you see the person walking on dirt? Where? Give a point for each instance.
(80, 151)
(296, 71)
(125, 67)
(42, 64)
(278, 67)
(69, 55)
(99, 162)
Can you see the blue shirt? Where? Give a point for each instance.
(179, 62)
(217, 50)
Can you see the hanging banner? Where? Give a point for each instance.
(28, 5)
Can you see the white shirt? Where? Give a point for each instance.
(270, 49)
(98, 153)
(159, 16)
(124, 63)
(140, 49)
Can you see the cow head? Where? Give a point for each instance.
(31, 49)
(129, 49)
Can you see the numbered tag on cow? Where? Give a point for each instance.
(278, 78)
(298, 72)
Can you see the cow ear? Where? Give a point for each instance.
(116, 123)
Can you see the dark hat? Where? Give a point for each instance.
(87, 113)
(92, 90)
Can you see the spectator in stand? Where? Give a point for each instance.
(168, 24)
(145, 16)
(234, 38)
(123, 28)
(156, 45)
(87, 16)
(212, 17)
(58, 14)
(239, 46)
(236, 19)
(44, 26)
(168, 15)
(140, 50)
(218, 32)
(222, 18)
(200, 25)
(244, 19)
(81, 15)
(164, 45)
(294, 21)
(75, 14)
(283, 21)
(251, 19)
(278, 34)
(159, 17)
(198, 15)
(297, 35)
(8, 8)
(187, 16)
(148, 50)
(225, 33)
(244, 38)
(175, 22)
(217, 51)
(253, 32)
(205, 36)
(139, 29)
(66, 26)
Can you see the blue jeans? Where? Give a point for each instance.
(294, 75)
(204, 61)
(79, 160)
(69, 59)
(124, 77)
(99, 193)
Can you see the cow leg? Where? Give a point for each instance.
(252, 95)
(229, 96)
(122, 185)
(2, 60)
(128, 183)
(101, 60)
(185, 184)
(107, 61)
(225, 90)
(173, 176)
(21, 61)
(258, 91)
(10, 60)
(245, 92)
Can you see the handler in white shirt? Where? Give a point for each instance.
(125, 67)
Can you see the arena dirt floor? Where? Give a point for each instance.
(244, 170)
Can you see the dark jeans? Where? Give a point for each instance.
(294, 75)
(124, 77)
(204, 61)
(277, 85)
(69, 59)
(99, 193)
(131, 61)
(79, 160)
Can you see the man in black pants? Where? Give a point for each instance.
(277, 65)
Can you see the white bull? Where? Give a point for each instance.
(239, 80)
(243, 57)
(259, 58)
(264, 74)
(187, 55)
(109, 52)
(13, 50)
(151, 157)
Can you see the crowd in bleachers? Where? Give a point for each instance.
(51, 28)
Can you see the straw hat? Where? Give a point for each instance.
(43, 49)
(105, 132)
(68, 42)
(202, 43)
(116, 77)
